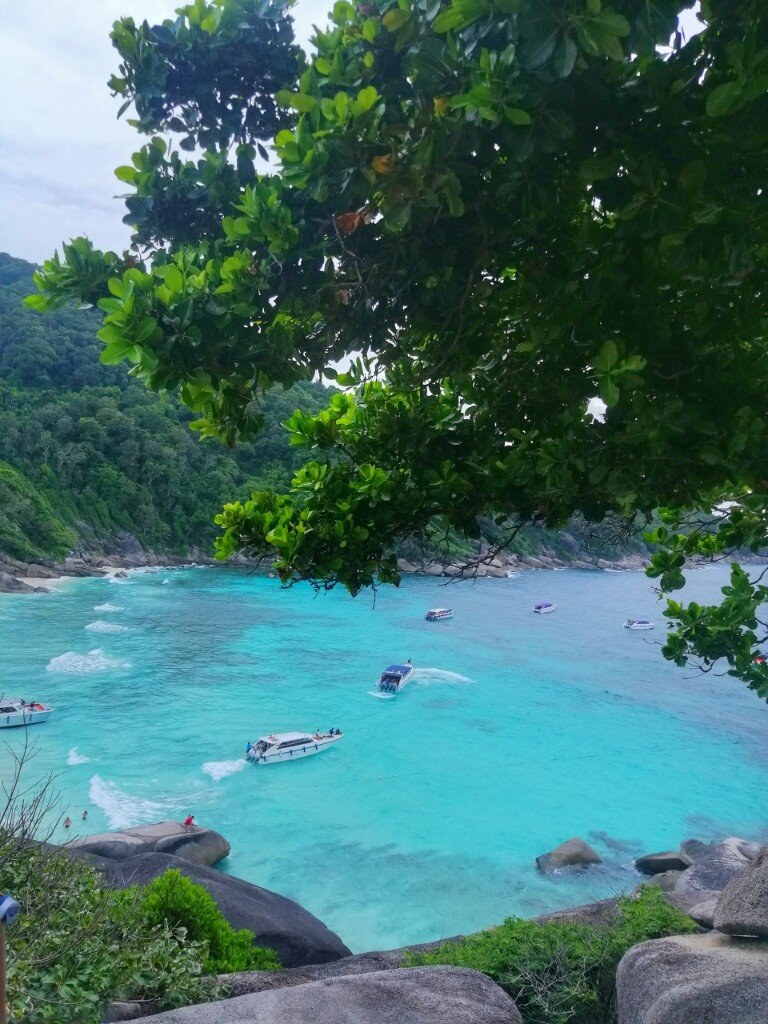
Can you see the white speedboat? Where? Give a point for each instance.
(290, 746)
(394, 678)
(638, 624)
(544, 608)
(15, 712)
(438, 614)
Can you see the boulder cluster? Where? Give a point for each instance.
(718, 976)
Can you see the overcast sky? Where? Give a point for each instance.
(59, 138)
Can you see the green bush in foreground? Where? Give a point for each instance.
(177, 902)
(78, 945)
(563, 972)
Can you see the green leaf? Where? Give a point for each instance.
(366, 99)
(609, 391)
(723, 99)
(612, 22)
(323, 65)
(395, 19)
(607, 357)
(517, 116)
(565, 56)
(127, 174)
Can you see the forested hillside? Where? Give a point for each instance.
(87, 452)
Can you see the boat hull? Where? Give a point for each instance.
(15, 719)
(544, 611)
(292, 753)
(648, 625)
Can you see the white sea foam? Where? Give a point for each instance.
(121, 809)
(74, 758)
(380, 696)
(164, 582)
(100, 626)
(108, 608)
(221, 769)
(427, 676)
(73, 664)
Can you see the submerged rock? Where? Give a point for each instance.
(743, 906)
(200, 845)
(419, 995)
(277, 922)
(693, 979)
(574, 852)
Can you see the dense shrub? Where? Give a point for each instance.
(77, 944)
(176, 902)
(563, 972)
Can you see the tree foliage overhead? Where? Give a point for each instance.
(498, 209)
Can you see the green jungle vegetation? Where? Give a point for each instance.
(87, 452)
(497, 210)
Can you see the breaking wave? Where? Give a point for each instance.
(122, 810)
(108, 608)
(74, 758)
(100, 626)
(73, 664)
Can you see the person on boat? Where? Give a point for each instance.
(248, 747)
(67, 822)
(189, 822)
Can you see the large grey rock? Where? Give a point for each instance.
(714, 868)
(200, 845)
(656, 863)
(573, 852)
(703, 912)
(420, 995)
(665, 880)
(693, 979)
(434, 569)
(743, 906)
(405, 566)
(277, 922)
(497, 571)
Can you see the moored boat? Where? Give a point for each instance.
(394, 678)
(438, 614)
(638, 624)
(289, 746)
(15, 712)
(544, 608)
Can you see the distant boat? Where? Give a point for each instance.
(638, 624)
(438, 614)
(15, 712)
(544, 608)
(761, 658)
(394, 678)
(290, 746)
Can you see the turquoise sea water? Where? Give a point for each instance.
(517, 732)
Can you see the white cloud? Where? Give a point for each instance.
(60, 139)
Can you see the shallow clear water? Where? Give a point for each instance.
(517, 732)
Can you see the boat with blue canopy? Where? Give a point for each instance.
(544, 608)
(394, 678)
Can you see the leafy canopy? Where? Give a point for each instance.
(498, 209)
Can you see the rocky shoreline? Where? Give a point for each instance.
(718, 974)
(501, 564)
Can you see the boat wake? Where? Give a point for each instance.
(218, 770)
(73, 664)
(100, 626)
(108, 608)
(74, 758)
(122, 810)
(380, 696)
(431, 676)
